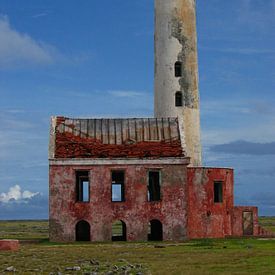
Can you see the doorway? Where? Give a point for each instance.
(155, 231)
(82, 232)
(248, 223)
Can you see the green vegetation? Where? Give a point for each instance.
(24, 230)
(230, 256)
(268, 223)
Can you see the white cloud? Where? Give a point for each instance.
(236, 50)
(263, 133)
(231, 119)
(125, 93)
(42, 14)
(15, 194)
(18, 48)
(222, 106)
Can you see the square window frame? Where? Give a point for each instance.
(222, 191)
(77, 178)
(123, 185)
(159, 170)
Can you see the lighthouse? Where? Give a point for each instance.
(176, 70)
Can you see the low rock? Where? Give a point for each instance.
(94, 262)
(115, 268)
(74, 268)
(10, 269)
(9, 245)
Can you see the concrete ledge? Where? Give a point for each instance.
(124, 161)
(9, 245)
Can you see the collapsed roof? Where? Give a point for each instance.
(115, 138)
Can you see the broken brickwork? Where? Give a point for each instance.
(136, 211)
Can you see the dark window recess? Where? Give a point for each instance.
(82, 186)
(119, 231)
(154, 186)
(178, 69)
(118, 186)
(155, 231)
(218, 192)
(178, 99)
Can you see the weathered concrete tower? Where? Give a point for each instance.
(176, 69)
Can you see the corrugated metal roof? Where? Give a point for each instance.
(119, 131)
(130, 137)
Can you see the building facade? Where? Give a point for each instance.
(135, 172)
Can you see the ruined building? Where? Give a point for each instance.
(144, 175)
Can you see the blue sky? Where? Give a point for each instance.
(95, 59)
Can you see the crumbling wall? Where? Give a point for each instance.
(176, 41)
(101, 212)
(237, 220)
(207, 219)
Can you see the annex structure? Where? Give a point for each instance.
(145, 174)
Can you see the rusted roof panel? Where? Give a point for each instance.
(112, 138)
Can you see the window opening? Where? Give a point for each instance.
(178, 99)
(154, 186)
(218, 192)
(82, 186)
(118, 186)
(178, 69)
(119, 231)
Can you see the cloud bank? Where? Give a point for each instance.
(18, 48)
(245, 147)
(15, 194)
(17, 204)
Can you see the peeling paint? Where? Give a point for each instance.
(176, 40)
(186, 209)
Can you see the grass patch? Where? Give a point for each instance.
(22, 230)
(268, 223)
(215, 256)
(236, 256)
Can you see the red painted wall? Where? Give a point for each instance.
(237, 220)
(101, 212)
(186, 210)
(207, 219)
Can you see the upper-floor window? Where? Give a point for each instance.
(178, 99)
(154, 186)
(118, 186)
(178, 69)
(218, 191)
(82, 186)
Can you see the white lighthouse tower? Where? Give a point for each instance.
(176, 70)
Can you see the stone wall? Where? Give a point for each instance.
(101, 212)
(207, 219)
